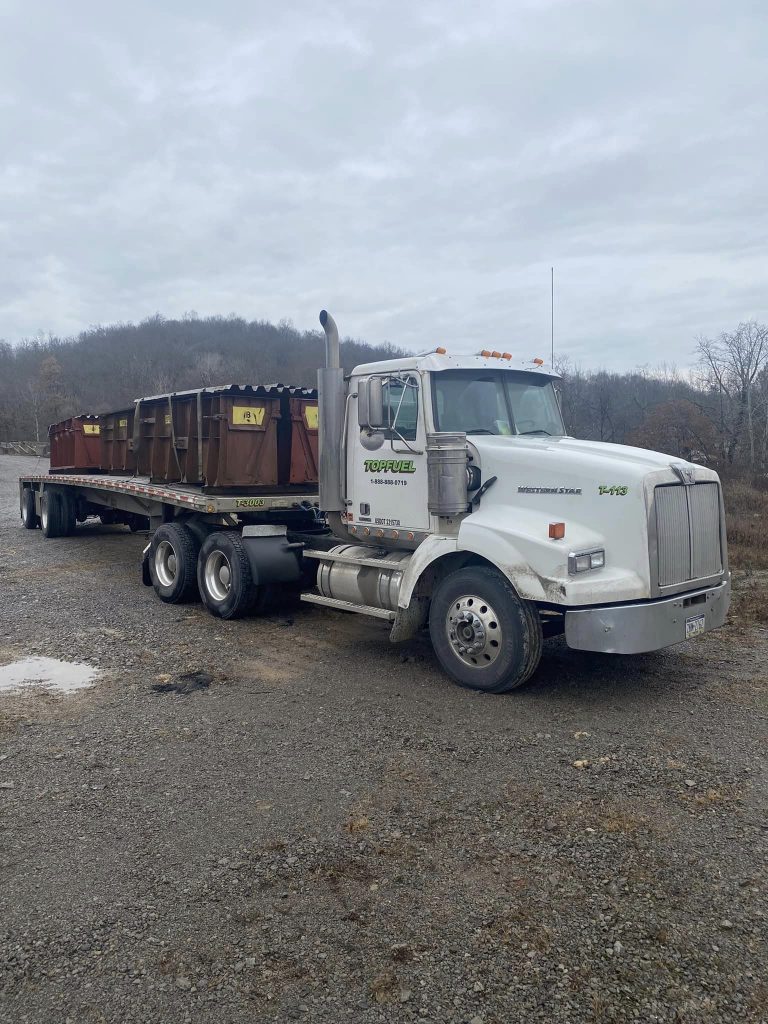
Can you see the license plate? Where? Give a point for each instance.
(694, 626)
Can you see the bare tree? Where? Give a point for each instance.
(732, 364)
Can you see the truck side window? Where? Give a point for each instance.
(401, 399)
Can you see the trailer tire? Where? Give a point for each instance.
(57, 514)
(29, 517)
(225, 578)
(173, 563)
(485, 637)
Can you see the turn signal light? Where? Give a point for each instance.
(556, 531)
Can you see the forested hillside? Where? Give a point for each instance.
(716, 413)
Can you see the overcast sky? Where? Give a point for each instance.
(416, 167)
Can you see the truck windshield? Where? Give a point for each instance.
(501, 402)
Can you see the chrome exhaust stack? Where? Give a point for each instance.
(331, 404)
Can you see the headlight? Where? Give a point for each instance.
(583, 561)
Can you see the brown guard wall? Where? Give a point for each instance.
(117, 455)
(75, 445)
(304, 423)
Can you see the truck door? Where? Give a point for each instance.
(387, 469)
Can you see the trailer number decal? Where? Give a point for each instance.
(389, 466)
(620, 489)
(249, 503)
(251, 415)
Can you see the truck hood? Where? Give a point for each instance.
(601, 492)
(575, 457)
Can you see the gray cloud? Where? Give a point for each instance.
(417, 168)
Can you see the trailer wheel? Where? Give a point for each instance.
(29, 517)
(172, 563)
(225, 578)
(484, 636)
(57, 514)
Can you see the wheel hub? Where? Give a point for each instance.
(218, 575)
(165, 563)
(473, 631)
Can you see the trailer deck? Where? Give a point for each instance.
(140, 490)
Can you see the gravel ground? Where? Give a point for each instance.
(323, 828)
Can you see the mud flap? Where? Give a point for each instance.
(146, 579)
(410, 620)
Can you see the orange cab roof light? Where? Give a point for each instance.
(441, 351)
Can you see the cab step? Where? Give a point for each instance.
(349, 606)
(372, 563)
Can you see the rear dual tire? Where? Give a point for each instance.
(57, 514)
(29, 517)
(225, 578)
(219, 571)
(173, 563)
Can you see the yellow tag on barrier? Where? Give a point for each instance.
(311, 415)
(90, 428)
(248, 415)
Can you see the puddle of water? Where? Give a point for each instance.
(47, 673)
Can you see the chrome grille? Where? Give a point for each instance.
(688, 532)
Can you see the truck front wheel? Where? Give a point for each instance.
(173, 563)
(484, 636)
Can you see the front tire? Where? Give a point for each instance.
(173, 563)
(225, 578)
(484, 636)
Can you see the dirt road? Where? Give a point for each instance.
(323, 828)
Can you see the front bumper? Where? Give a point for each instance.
(634, 628)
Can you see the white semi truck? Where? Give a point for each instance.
(451, 498)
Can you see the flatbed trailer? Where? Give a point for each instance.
(161, 503)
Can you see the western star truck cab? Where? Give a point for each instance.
(464, 505)
(450, 497)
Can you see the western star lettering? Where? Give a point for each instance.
(389, 466)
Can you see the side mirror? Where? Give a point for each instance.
(370, 403)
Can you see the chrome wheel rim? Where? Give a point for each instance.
(166, 565)
(473, 631)
(218, 575)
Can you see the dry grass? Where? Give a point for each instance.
(746, 509)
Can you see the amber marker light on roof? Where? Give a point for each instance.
(556, 531)
(506, 355)
(485, 352)
(538, 362)
(441, 351)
